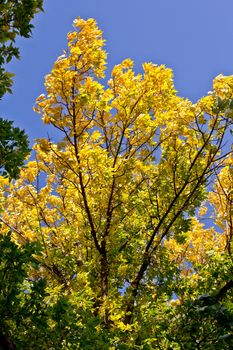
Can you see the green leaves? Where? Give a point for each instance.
(5, 82)
(14, 147)
(15, 20)
(15, 305)
(204, 324)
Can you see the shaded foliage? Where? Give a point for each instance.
(14, 147)
(15, 20)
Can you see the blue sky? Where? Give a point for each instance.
(193, 37)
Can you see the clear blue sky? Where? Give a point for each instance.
(193, 37)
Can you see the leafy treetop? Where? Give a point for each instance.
(114, 203)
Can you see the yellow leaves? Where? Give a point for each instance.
(116, 313)
(222, 198)
(71, 36)
(88, 44)
(75, 51)
(202, 211)
(199, 243)
(30, 172)
(143, 167)
(175, 302)
(4, 181)
(66, 81)
(30, 235)
(104, 104)
(89, 95)
(158, 77)
(223, 86)
(43, 145)
(40, 98)
(123, 269)
(81, 24)
(205, 104)
(124, 84)
(144, 121)
(131, 163)
(125, 65)
(96, 136)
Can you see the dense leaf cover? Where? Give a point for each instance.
(118, 208)
(13, 148)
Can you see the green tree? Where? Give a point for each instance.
(16, 305)
(15, 20)
(13, 148)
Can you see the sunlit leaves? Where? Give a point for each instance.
(115, 201)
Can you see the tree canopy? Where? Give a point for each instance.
(15, 20)
(117, 208)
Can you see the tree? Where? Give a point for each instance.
(15, 309)
(15, 20)
(13, 148)
(114, 203)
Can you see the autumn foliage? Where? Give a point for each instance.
(119, 204)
